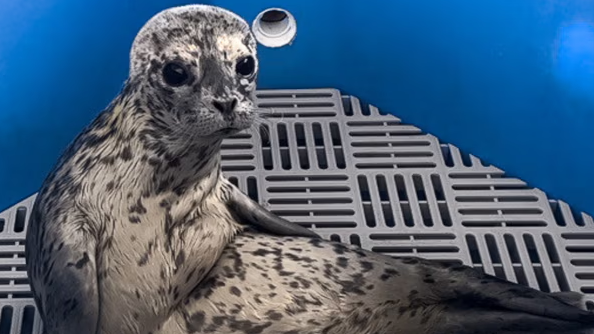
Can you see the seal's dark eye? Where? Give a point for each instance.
(245, 66)
(175, 74)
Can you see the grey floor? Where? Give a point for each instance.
(359, 176)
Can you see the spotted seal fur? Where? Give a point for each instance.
(136, 207)
(294, 285)
(151, 249)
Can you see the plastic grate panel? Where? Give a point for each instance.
(357, 175)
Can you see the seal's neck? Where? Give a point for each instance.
(156, 201)
(198, 167)
(143, 155)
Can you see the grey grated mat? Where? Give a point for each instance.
(359, 176)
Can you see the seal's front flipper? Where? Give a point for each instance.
(248, 211)
(63, 273)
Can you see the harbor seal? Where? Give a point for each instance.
(136, 210)
(136, 232)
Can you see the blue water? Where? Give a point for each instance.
(511, 81)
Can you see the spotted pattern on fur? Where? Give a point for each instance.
(138, 196)
(131, 232)
(290, 285)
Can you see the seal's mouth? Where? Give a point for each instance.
(228, 131)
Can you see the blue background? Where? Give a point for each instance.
(511, 81)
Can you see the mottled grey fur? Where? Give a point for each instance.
(286, 285)
(136, 232)
(136, 211)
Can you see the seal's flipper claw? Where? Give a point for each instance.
(252, 213)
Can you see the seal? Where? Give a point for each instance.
(136, 211)
(136, 231)
(269, 285)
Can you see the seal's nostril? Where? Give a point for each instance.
(218, 106)
(225, 107)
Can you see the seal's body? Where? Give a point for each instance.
(271, 285)
(127, 231)
(136, 211)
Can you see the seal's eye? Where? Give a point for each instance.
(175, 74)
(245, 66)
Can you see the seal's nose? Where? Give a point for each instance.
(225, 106)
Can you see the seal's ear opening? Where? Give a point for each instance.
(257, 218)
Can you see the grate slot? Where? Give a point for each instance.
(337, 145)
(320, 146)
(557, 213)
(347, 106)
(473, 250)
(493, 198)
(302, 146)
(535, 259)
(283, 143)
(514, 255)
(267, 160)
(20, 220)
(6, 319)
(28, 320)
(366, 201)
(355, 240)
(495, 256)
(384, 196)
(252, 188)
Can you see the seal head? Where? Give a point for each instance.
(200, 63)
(197, 66)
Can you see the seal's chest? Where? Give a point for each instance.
(163, 265)
(171, 248)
